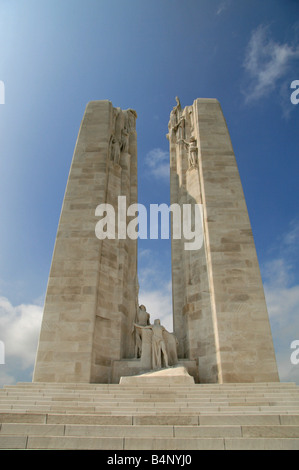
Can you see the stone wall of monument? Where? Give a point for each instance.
(220, 313)
(117, 299)
(192, 313)
(91, 295)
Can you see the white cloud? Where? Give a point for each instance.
(282, 301)
(158, 303)
(266, 62)
(276, 272)
(157, 161)
(223, 6)
(291, 238)
(19, 331)
(155, 287)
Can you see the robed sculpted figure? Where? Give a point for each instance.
(163, 345)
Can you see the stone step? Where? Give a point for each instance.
(149, 443)
(157, 395)
(151, 419)
(166, 392)
(211, 388)
(156, 410)
(144, 386)
(151, 402)
(199, 431)
(70, 400)
(197, 391)
(149, 399)
(172, 402)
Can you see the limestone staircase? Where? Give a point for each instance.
(150, 417)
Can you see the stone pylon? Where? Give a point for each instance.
(92, 296)
(219, 308)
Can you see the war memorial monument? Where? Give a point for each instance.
(108, 375)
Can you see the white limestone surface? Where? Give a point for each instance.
(171, 375)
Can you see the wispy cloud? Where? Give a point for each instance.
(223, 6)
(155, 287)
(19, 330)
(291, 238)
(157, 162)
(266, 62)
(158, 303)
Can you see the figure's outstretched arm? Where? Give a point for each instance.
(143, 327)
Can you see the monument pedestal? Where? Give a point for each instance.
(176, 375)
(135, 367)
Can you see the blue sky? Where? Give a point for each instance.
(56, 55)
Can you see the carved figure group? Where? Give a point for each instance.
(163, 344)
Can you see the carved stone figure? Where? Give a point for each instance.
(158, 344)
(124, 123)
(192, 152)
(175, 117)
(115, 150)
(171, 347)
(131, 119)
(142, 319)
(116, 113)
(181, 128)
(178, 103)
(177, 123)
(124, 141)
